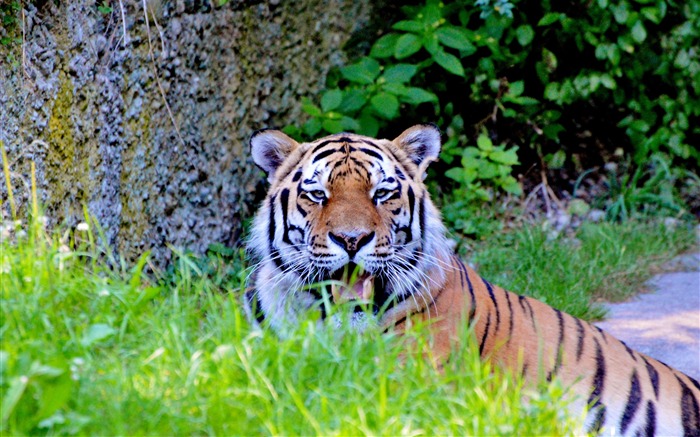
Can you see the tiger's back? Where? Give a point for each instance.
(347, 201)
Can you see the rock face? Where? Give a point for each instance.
(142, 111)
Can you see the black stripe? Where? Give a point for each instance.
(255, 306)
(297, 176)
(463, 268)
(653, 377)
(371, 153)
(650, 426)
(598, 421)
(602, 334)
(335, 140)
(630, 352)
(495, 304)
(694, 382)
(510, 317)
(324, 154)
(271, 232)
(690, 412)
(301, 210)
(560, 346)
(486, 332)
(594, 401)
(524, 301)
(284, 201)
(281, 176)
(633, 401)
(421, 216)
(581, 336)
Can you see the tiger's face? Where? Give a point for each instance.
(340, 205)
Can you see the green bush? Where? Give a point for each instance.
(553, 78)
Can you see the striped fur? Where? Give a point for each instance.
(347, 199)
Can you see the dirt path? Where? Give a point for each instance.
(665, 323)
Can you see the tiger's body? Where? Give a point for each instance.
(347, 200)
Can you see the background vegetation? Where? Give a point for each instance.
(548, 92)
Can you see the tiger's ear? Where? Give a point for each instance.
(420, 142)
(270, 148)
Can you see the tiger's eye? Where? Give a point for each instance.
(380, 193)
(319, 194)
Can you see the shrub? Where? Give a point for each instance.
(556, 79)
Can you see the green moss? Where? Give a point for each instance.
(69, 176)
(60, 124)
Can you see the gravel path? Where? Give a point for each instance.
(665, 323)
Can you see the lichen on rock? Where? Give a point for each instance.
(150, 131)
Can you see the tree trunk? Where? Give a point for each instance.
(141, 110)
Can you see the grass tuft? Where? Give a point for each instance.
(606, 261)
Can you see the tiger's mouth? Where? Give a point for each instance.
(352, 283)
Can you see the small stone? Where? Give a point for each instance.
(596, 215)
(671, 222)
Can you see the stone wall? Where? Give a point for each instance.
(145, 121)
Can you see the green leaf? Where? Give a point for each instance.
(621, 12)
(607, 81)
(406, 46)
(417, 96)
(384, 47)
(97, 332)
(353, 100)
(364, 72)
(456, 174)
(332, 126)
(431, 44)
(506, 157)
(12, 396)
(484, 142)
(408, 26)
(386, 105)
(369, 125)
(639, 33)
(454, 37)
(310, 108)
(516, 88)
(512, 186)
(400, 73)
(331, 100)
(349, 124)
(312, 127)
(55, 394)
(556, 160)
(449, 62)
(655, 13)
(396, 89)
(525, 34)
(550, 18)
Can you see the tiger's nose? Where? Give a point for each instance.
(351, 243)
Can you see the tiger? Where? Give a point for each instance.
(348, 202)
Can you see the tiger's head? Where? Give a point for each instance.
(340, 204)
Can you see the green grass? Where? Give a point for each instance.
(90, 345)
(605, 261)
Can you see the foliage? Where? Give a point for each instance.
(92, 345)
(9, 11)
(535, 75)
(646, 191)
